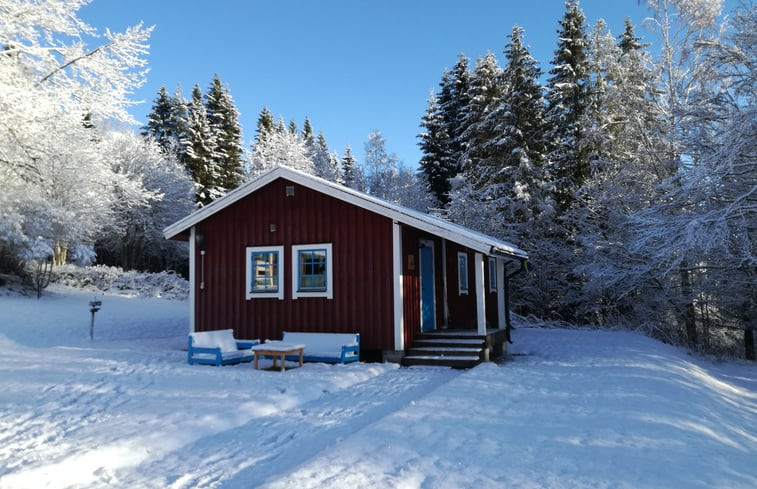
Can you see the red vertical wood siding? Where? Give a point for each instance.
(362, 264)
(462, 307)
(411, 285)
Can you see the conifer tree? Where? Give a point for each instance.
(436, 165)
(441, 140)
(326, 164)
(318, 152)
(307, 130)
(180, 118)
(484, 94)
(628, 41)
(161, 122)
(200, 161)
(280, 126)
(518, 124)
(350, 170)
(567, 96)
(266, 125)
(223, 119)
(453, 98)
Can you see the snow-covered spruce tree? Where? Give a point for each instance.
(223, 119)
(200, 145)
(307, 130)
(441, 138)
(699, 238)
(180, 118)
(167, 122)
(567, 97)
(54, 88)
(484, 95)
(280, 146)
(281, 127)
(453, 98)
(519, 143)
(352, 173)
(152, 191)
(629, 41)
(436, 165)
(265, 125)
(160, 121)
(326, 163)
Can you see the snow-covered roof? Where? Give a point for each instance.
(425, 222)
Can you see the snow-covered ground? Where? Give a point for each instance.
(570, 409)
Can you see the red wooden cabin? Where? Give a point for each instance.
(291, 252)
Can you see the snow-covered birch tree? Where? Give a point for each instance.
(58, 78)
(700, 237)
(152, 190)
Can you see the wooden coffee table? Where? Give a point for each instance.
(277, 350)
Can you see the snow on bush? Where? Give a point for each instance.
(165, 285)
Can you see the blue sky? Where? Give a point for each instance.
(351, 66)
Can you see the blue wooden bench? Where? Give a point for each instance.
(219, 348)
(326, 347)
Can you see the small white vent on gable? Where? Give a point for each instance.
(290, 190)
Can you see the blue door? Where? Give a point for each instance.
(428, 313)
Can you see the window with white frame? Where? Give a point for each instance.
(312, 271)
(265, 268)
(462, 272)
(492, 274)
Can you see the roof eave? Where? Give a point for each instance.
(445, 229)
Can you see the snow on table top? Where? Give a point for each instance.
(277, 346)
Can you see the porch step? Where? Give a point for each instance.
(442, 361)
(444, 350)
(458, 351)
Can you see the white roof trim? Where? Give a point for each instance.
(434, 225)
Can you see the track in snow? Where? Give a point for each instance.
(275, 445)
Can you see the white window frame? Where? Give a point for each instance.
(329, 292)
(249, 293)
(492, 274)
(462, 278)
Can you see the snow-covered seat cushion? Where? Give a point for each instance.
(219, 347)
(327, 347)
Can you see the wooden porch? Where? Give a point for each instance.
(457, 348)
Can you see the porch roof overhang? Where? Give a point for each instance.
(425, 222)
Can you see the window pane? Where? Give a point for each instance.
(312, 268)
(265, 270)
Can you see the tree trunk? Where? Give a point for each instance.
(60, 254)
(688, 313)
(749, 344)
